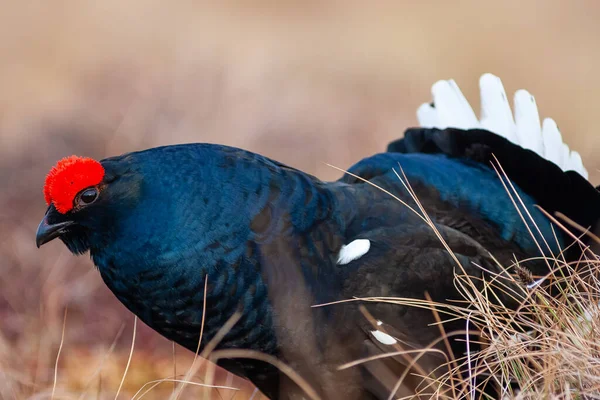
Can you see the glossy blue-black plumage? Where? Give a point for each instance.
(239, 220)
(470, 186)
(266, 237)
(199, 210)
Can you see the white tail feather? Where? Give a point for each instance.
(527, 120)
(452, 110)
(575, 163)
(427, 116)
(553, 145)
(495, 111)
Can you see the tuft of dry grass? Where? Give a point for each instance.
(546, 348)
(83, 373)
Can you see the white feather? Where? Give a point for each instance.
(453, 109)
(353, 251)
(527, 120)
(566, 154)
(576, 164)
(384, 338)
(427, 116)
(553, 145)
(495, 111)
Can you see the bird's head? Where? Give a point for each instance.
(82, 195)
(171, 200)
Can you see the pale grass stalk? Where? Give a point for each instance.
(211, 345)
(129, 359)
(62, 340)
(255, 355)
(153, 384)
(411, 362)
(192, 370)
(504, 179)
(101, 364)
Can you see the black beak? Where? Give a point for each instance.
(51, 227)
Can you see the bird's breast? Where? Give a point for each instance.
(172, 301)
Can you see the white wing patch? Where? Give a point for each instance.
(384, 338)
(353, 251)
(450, 109)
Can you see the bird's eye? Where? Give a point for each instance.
(88, 196)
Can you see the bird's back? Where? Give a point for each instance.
(455, 191)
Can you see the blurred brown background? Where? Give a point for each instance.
(305, 82)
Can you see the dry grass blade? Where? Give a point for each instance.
(412, 363)
(100, 365)
(155, 383)
(506, 182)
(444, 336)
(574, 224)
(62, 340)
(214, 342)
(175, 363)
(380, 188)
(547, 347)
(424, 214)
(193, 367)
(129, 359)
(255, 355)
